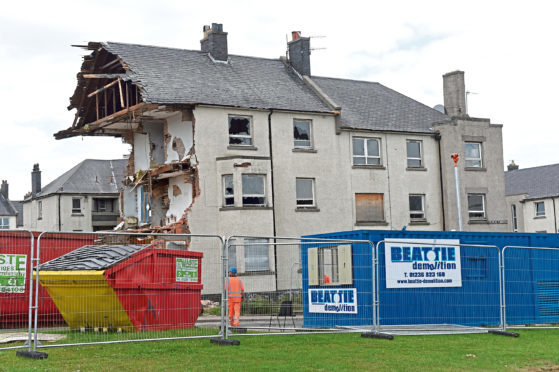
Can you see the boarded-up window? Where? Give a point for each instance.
(369, 207)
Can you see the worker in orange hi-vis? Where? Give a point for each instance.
(326, 279)
(235, 291)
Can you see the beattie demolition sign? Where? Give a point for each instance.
(12, 273)
(422, 264)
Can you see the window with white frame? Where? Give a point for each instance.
(257, 256)
(228, 191)
(414, 153)
(76, 205)
(304, 189)
(540, 209)
(302, 134)
(39, 209)
(366, 151)
(473, 155)
(514, 219)
(240, 130)
(4, 223)
(417, 207)
(476, 206)
(254, 190)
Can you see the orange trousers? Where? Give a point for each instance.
(234, 312)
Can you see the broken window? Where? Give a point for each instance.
(417, 207)
(103, 205)
(144, 204)
(4, 223)
(228, 191)
(302, 133)
(414, 154)
(253, 190)
(76, 205)
(476, 206)
(256, 255)
(366, 151)
(369, 207)
(304, 189)
(240, 130)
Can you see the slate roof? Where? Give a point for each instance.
(18, 205)
(175, 76)
(6, 207)
(89, 177)
(537, 182)
(372, 106)
(93, 257)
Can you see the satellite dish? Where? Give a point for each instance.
(439, 108)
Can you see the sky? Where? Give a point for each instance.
(509, 51)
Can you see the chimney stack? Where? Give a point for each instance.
(454, 91)
(215, 42)
(300, 53)
(4, 190)
(512, 166)
(35, 180)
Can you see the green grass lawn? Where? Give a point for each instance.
(534, 350)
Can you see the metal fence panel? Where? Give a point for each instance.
(276, 272)
(531, 290)
(123, 287)
(16, 257)
(436, 286)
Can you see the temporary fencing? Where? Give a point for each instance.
(105, 287)
(428, 286)
(531, 287)
(118, 287)
(282, 275)
(16, 257)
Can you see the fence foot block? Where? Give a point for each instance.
(503, 333)
(224, 342)
(31, 354)
(383, 336)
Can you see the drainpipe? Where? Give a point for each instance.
(438, 139)
(554, 215)
(272, 194)
(59, 214)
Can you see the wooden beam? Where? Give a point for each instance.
(116, 60)
(121, 96)
(97, 76)
(103, 88)
(97, 106)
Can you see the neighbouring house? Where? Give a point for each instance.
(234, 145)
(11, 214)
(533, 198)
(85, 198)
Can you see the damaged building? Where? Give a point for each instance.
(235, 145)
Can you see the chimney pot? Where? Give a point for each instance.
(295, 35)
(512, 166)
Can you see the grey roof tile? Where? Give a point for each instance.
(536, 182)
(372, 106)
(175, 76)
(92, 257)
(6, 207)
(89, 177)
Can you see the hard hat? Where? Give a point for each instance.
(233, 269)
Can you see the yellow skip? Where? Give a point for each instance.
(85, 299)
